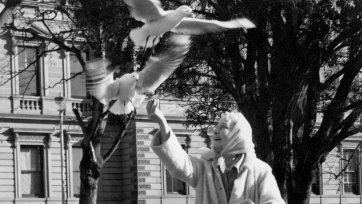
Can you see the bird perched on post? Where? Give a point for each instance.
(158, 21)
(130, 89)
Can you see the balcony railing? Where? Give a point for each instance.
(26, 105)
(30, 104)
(82, 105)
(43, 105)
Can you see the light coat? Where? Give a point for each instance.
(255, 180)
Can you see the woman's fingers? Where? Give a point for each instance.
(152, 105)
(148, 107)
(155, 102)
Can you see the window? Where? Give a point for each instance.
(78, 87)
(350, 163)
(32, 179)
(173, 185)
(77, 157)
(316, 182)
(29, 75)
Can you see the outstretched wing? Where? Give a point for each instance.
(145, 10)
(193, 26)
(98, 78)
(160, 67)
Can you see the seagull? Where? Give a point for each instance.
(130, 90)
(158, 21)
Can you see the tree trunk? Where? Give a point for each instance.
(90, 172)
(89, 188)
(300, 194)
(299, 186)
(92, 160)
(91, 166)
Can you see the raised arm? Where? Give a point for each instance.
(169, 150)
(155, 114)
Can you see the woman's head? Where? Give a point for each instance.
(232, 135)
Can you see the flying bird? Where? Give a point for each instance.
(158, 21)
(130, 90)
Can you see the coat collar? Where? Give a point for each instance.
(245, 162)
(237, 165)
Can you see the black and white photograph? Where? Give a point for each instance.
(180, 101)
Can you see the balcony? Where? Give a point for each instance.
(82, 105)
(42, 105)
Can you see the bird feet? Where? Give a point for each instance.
(145, 47)
(153, 44)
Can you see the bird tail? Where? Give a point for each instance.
(121, 107)
(98, 78)
(141, 38)
(138, 99)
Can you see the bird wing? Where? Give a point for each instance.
(145, 10)
(98, 78)
(159, 68)
(112, 90)
(193, 26)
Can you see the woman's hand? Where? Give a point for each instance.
(153, 111)
(155, 114)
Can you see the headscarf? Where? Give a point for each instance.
(240, 138)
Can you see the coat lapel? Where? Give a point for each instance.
(245, 181)
(218, 183)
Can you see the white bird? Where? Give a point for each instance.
(130, 89)
(158, 21)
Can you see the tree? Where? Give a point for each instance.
(303, 60)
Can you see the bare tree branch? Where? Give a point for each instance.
(36, 60)
(66, 79)
(80, 121)
(36, 36)
(331, 79)
(344, 169)
(357, 104)
(345, 128)
(60, 42)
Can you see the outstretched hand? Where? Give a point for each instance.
(155, 114)
(153, 111)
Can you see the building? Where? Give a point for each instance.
(338, 179)
(30, 161)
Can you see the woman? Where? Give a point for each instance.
(229, 173)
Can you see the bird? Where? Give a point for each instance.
(158, 21)
(130, 90)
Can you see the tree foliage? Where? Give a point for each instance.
(300, 64)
